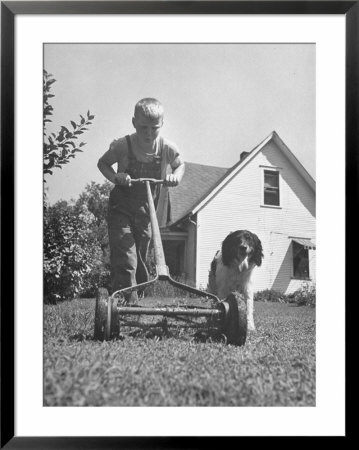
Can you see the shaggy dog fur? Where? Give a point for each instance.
(232, 267)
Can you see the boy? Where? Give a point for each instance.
(143, 154)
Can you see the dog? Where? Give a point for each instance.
(232, 268)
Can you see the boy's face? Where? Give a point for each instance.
(147, 129)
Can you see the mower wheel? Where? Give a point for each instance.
(102, 298)
(107, 324)
(234, 325)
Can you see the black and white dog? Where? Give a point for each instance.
(232, 267)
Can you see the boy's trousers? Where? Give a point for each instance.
(129, 224)
(129, 239)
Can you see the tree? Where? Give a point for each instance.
(70, 248)
(95, 198)
(70, 251)
(59, 148)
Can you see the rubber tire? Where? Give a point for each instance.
(102, 299)
(235, 320)
(103, 329)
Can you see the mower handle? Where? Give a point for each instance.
(151, 180)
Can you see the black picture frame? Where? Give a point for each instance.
(9, 9)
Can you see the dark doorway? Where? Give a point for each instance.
(174, 254)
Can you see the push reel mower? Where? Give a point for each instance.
(225, 319)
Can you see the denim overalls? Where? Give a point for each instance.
(129, 226)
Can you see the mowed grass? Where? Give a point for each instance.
(276, 367)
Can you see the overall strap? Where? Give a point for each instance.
(160, 150)
(129, 145)
(130, 151)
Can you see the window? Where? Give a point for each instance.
(271, 187)
(300, 261)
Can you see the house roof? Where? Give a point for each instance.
(187, 198)
(196, 183)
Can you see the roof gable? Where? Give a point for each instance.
(189, 198)
(197, 182)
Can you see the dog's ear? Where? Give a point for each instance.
(212, 286)
(257, 255)
(214, 264)
(229, 249)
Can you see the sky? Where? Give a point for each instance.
(219, 100)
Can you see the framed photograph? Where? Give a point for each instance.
(261, 100)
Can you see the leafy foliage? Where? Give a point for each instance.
(269, 295)
(70, 244)
(59, 148)
(70, 250)
(76, 250)
(95, 199)
(305, 295)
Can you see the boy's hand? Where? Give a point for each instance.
(122, 179)
(171, 180)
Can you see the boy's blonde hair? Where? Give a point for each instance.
(149, 107)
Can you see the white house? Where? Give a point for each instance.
(267, 192)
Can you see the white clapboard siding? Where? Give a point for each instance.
(239, 206)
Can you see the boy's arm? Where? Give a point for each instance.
(105, 164)
(178, 169)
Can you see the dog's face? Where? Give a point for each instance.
(240, 246)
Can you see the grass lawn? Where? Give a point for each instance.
(276, 367)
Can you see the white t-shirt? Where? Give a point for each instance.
(118, 153)
(170, 160)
